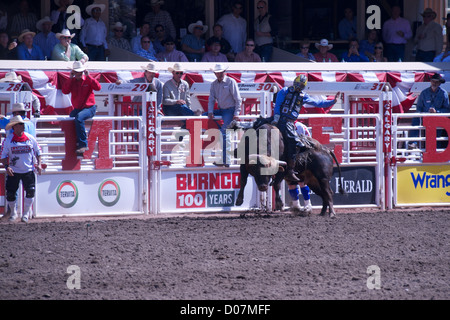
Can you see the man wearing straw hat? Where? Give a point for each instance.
(155, 84)
(176, 97)
(65, 50)
(428, 37)
(27, 50)
(19, 151)
(225, 91)
(45, 39)
(81, 86)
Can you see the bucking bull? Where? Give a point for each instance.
(314, 166)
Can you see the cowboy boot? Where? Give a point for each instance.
(290, 173)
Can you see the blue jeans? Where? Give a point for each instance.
(81, 115)
(227, 117)
(265, 52)
(395, 52)
(96, 53)
(177, 110)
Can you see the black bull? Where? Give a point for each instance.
(314, 167)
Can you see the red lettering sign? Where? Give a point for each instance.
(318, 123)
(431, 124)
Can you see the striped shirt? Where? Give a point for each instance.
(163, 18)
(20, 22)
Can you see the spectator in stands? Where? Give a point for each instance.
(396, 31)
(8, 50)
(25, 19)
(3, 20)
(146, 51)
(428, 37)
(224, 90)
(304, 51)
(265, 30)
(444, 56)
(353, 54)
(81, 86)
(158, 16)
(19, 151)
(225, 46)
(447, 26)
(155, 84)
(193, 44)
(59, 18)
(214, 55)
(234, 28)
(347, 26)
(170, 52)
(118, 40)
(176, 97)
(67, 51)
(431, 100)
(45, 39)
(160, 36)
(248, 55)
(94, 33)
(378, 56)
(144, 30)
(27, 50)
(324, 55)
(367, 46)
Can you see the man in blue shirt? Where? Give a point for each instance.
(27, 50)
(353, 54)
(287, 108)
(431, 100)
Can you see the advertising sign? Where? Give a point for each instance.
(204, 190)
(87, 193)
(425, 184)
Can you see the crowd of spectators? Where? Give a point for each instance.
(28, 38)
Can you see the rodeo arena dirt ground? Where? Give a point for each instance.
(363, 254)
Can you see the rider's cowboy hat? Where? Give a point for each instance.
(95, 5)
(64, 33)
(11, 77)
(219, 68)
(19, 107)
(324, 43)
(176, 67)
(13, 121)
(119, 25)
(24, 33)
(42, 21)
(150, 68)
(78, 66)
(199, 23)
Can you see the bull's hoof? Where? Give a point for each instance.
(333, 215)
(239, 201)
(279, 206)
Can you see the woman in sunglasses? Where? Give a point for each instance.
(378, 56)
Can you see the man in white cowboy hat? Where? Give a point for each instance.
(176, 97)
(18, 109)
(324, 55)
(428, 37)
(193, 45)
(20, 151)
(224, 90)
(162, 17)
(27, 50)
(60, 17)
(93, 34)
(149, 77)
(65, 50)
(12, 77)
(118, 40)
(45, 38)
(81, 86)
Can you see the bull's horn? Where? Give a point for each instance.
(282, 163)
(253, 157)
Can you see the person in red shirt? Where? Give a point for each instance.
(323, 55)
(81, 85)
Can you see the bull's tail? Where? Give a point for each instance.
(340, 188)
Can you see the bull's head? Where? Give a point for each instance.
(263, 168)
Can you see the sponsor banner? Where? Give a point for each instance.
(87, 193)
(424, 184)
(198, 191)
(359, 183)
